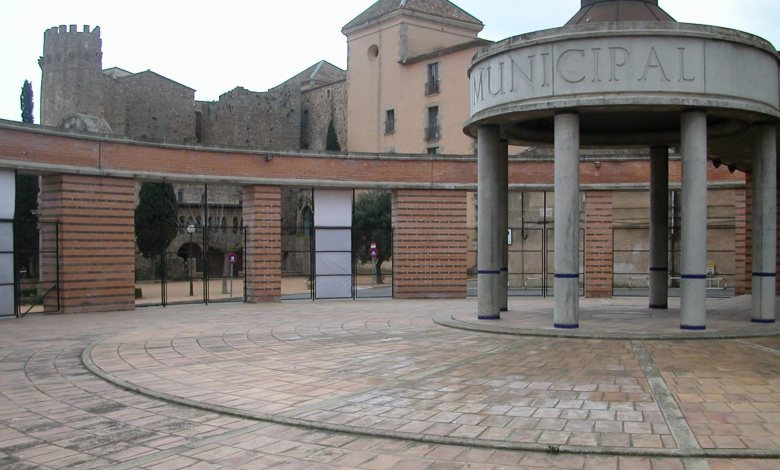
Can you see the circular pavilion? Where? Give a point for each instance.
(623, 73)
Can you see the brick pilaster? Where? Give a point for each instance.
(96, 242)
(429, 244)
(598, 244)
(262, 212)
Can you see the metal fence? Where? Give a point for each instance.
(368, 277)
(631, 254)
(35, 279)
(531, 260)
(201, 264)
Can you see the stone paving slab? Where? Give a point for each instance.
(380, 365)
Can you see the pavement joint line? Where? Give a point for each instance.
(153, 456)
(423, 438)
(759, 347)
(678, 425)
(696, 464)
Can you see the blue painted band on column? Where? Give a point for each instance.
(488, 317)
(658, 307)
(504, 309)
(694, 276)
(658, 270)
(504, 270)
(489, 272)
(766, 321)
(764, 274)
(566, 276)
(693, 327)
(564, 326)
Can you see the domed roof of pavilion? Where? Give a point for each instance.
(603, 11)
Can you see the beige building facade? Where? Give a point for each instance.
(407, 86)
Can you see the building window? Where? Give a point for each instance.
(432, 129)
(198, 126)
(390, 121)
(432, 85)
(433, 150)
(304, 131)
(305, 118)
(180, 196)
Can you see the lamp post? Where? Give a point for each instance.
(190, 230)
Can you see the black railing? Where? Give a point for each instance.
(431, 87)
(432, 133)
(368, 278)
(203, 265)
(35, 268)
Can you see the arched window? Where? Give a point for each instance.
(235, 224)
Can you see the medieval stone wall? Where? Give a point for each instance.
(72, 79)
(147, 106)
(246, 119)
(159, 109)
(321, 105)
(115, 104)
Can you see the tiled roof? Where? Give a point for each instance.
(441, 8)
(619, 10)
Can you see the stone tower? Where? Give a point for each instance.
(72, 79)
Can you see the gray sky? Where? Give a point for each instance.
(215, 46)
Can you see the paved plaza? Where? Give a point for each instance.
(388, 384)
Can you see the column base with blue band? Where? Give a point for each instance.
(505, 288)
(489, 273)
(693, 327)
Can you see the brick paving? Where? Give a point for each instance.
(373, 384)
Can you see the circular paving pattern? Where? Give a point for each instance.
(388, 370)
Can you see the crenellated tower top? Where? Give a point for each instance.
(72, 76)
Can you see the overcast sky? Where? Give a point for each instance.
(215, 46)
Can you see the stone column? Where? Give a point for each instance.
(659, 227)
(503, 207)
(488, 223)
(693, 272)
(764, 225)
(567, 220)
